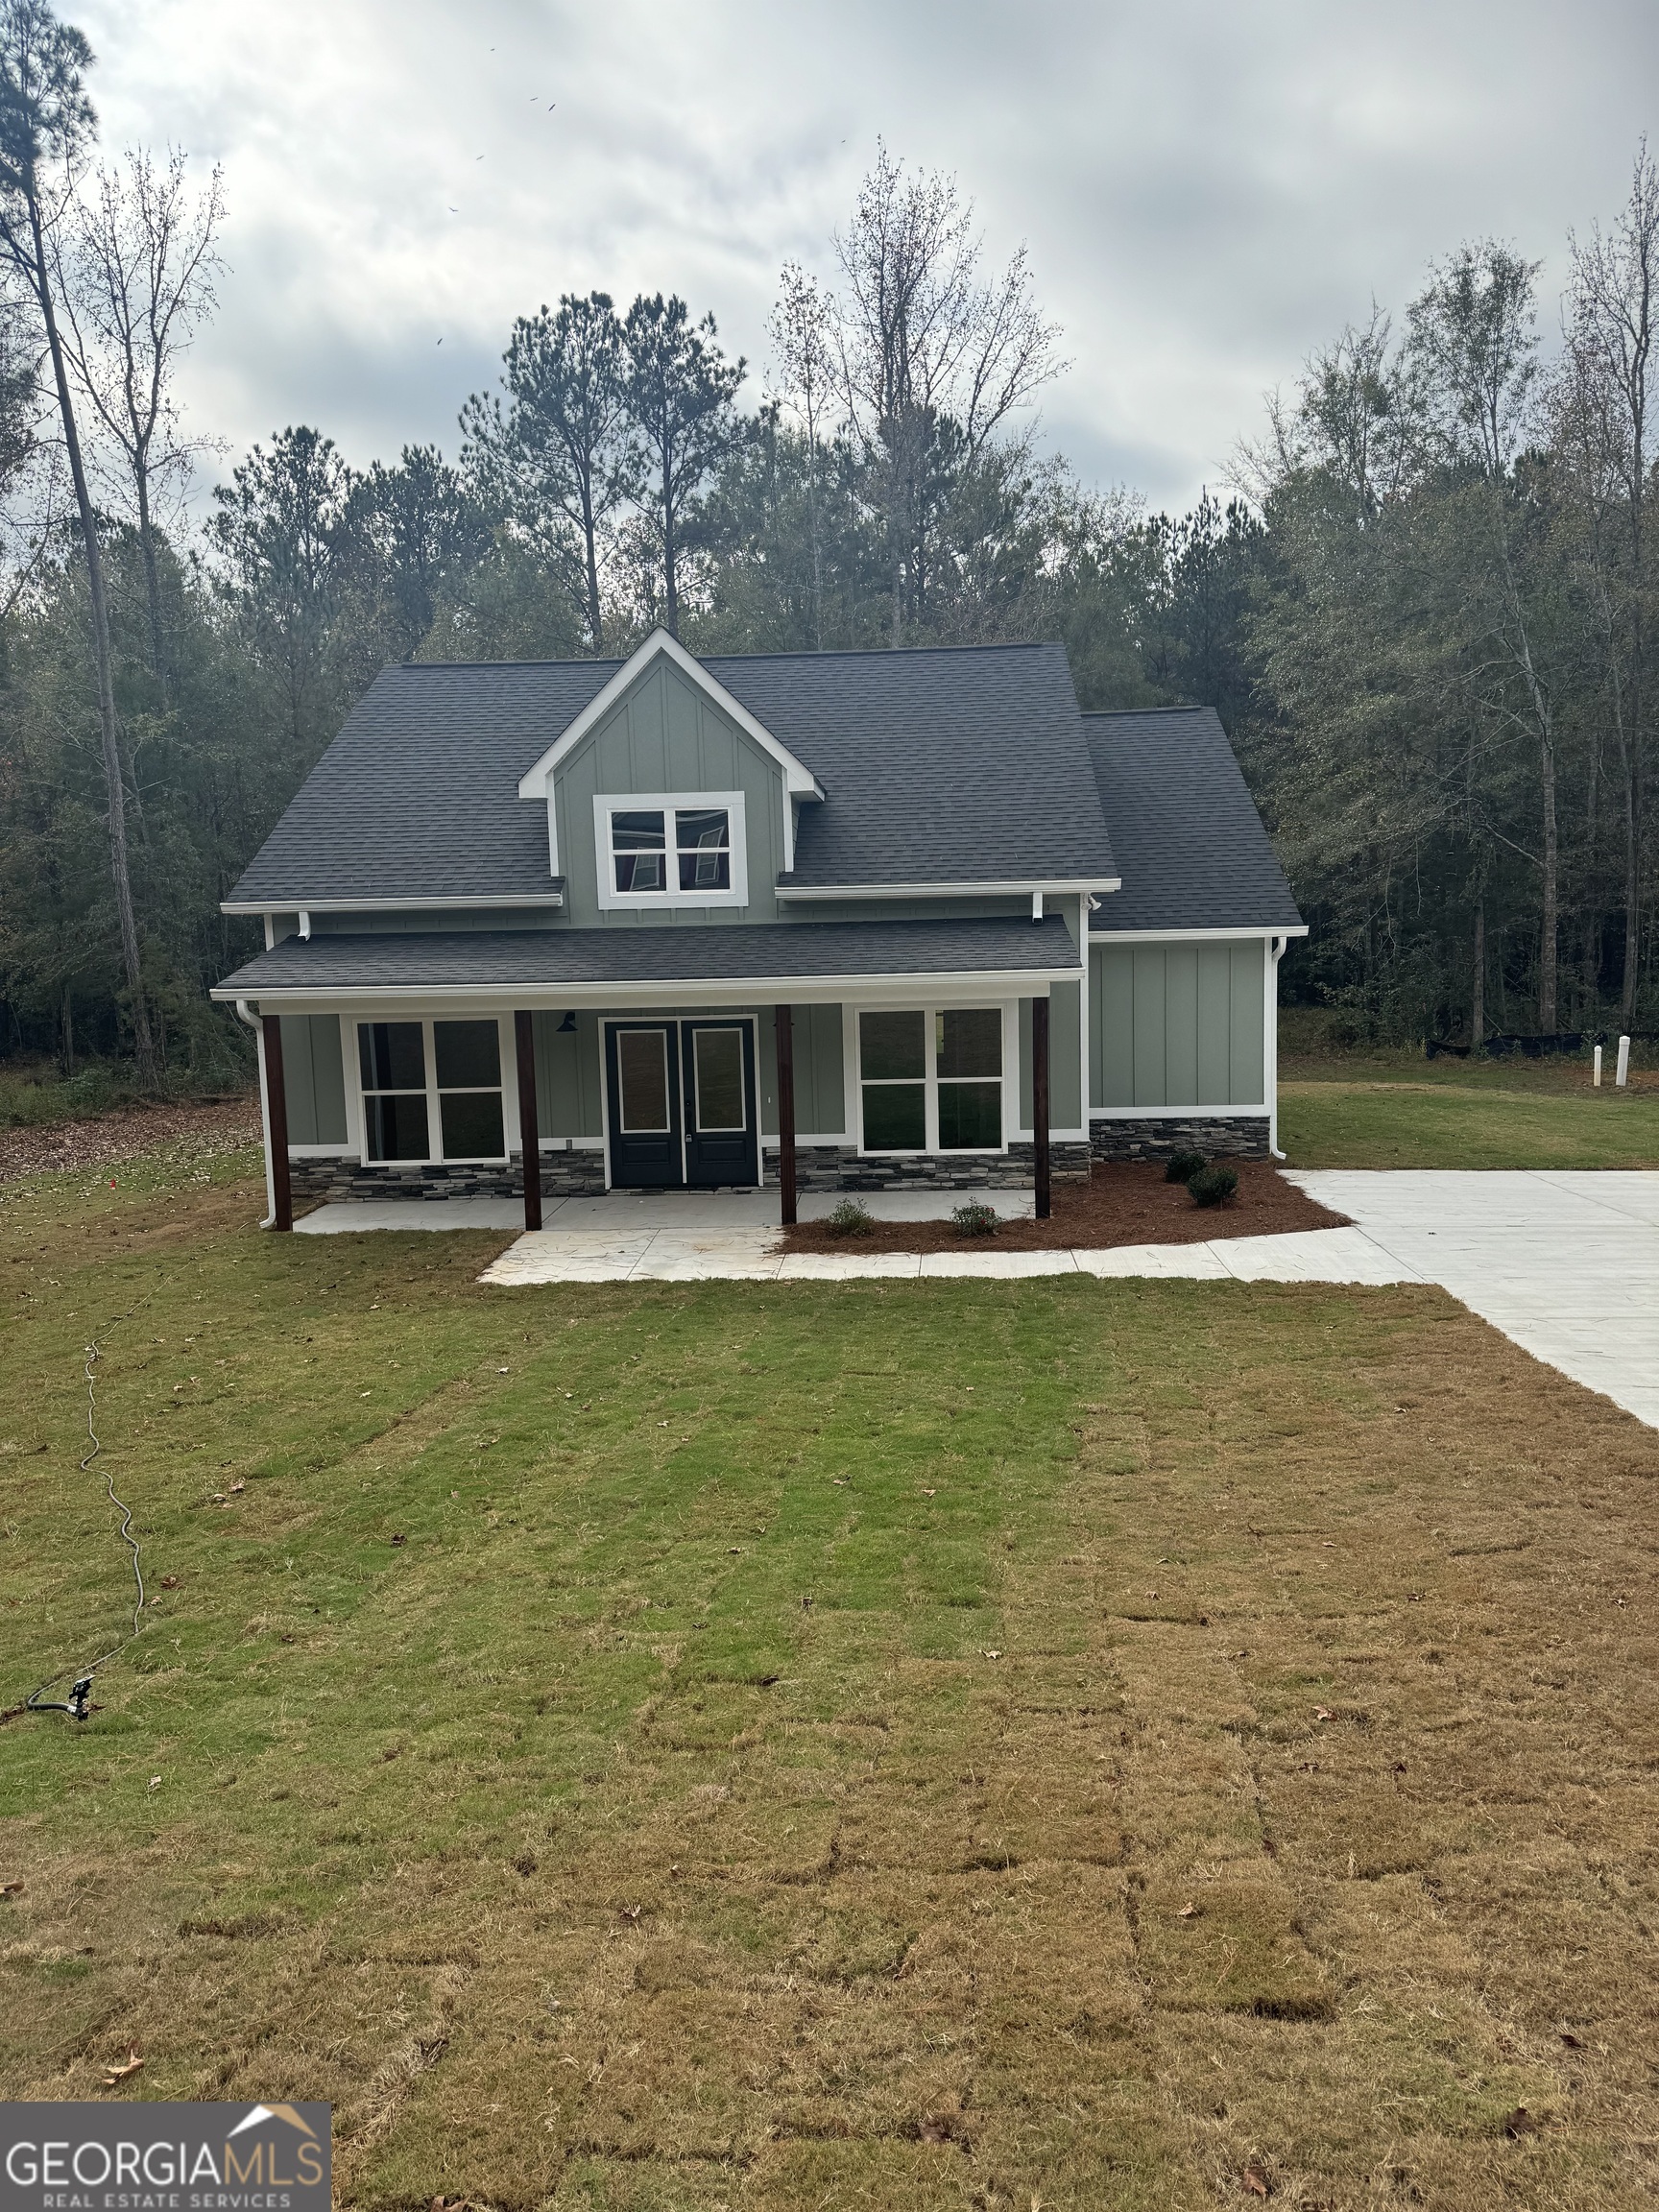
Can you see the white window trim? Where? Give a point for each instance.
(609, 803)
(357, 1096)
(1008, 1008)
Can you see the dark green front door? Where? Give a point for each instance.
(717, 1064)
(682, 1105)
(642, 1072)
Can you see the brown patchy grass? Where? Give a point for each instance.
(1221, 1737)
(1123, 1202)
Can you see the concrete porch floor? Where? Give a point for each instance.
(628, 1212)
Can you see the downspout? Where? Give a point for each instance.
(251, 1019)
(1276, 947)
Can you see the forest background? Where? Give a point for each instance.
(1422, 602)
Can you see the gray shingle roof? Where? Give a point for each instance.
(1191, 845)
(947, 765)
(550, 958)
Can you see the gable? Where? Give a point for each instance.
(660, 649)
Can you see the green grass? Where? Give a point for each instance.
(1395, 1120)
(732, 1745)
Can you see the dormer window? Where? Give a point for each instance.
(671, 849)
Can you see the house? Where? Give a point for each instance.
(833, 921)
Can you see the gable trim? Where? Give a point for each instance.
(535, 783)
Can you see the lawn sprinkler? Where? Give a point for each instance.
(77, 1704)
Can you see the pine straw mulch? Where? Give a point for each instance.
(1122, 1203)
(224, 1124)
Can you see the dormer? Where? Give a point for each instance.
(668, 800)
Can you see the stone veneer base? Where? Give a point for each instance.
(582, 1174)
(1224, 1136)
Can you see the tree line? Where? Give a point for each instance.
(1422, 606)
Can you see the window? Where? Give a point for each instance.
(931, 1080)
(424, 1076)
(717, 1073)
(671, 849)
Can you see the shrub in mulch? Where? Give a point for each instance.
(851, 1218)
(1214, 1185)
(1182, 1166)
(975, 1219)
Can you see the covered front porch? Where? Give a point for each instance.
(909, 1061)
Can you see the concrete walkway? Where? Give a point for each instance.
(671, 1254)
(1564, 1261)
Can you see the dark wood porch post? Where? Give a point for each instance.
(277, 1118)
(787, 1114)
(1039, 1099)
(529, 1131)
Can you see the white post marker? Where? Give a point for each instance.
(1623, 1074)
(1596, 1073)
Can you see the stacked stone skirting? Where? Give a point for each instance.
(843, 1167)
(563, 1176)
(582, 1174)
(1224, 1136)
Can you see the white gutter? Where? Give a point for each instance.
(1276, 947)
(244, 1014)
(691, 991)
(504, 900)
(1023, 888)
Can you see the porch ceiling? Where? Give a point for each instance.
(769, 959)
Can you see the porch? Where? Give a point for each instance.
(900, 1060)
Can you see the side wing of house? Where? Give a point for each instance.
(1184, 958)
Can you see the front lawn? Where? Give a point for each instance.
(944, 1744)
(1390, 1120)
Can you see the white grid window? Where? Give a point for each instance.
(671, 849)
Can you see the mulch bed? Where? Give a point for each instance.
(125, 1133)
(1122, 1203)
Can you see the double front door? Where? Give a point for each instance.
(681, 1103)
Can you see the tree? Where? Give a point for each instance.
(919, 336)
(678, 389)
(1611, 328)
(135, 273)
(801, 326)
(417, 531)
(46, 120)
(557, 459)
(283, 531)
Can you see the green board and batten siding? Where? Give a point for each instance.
(314, 1079)
(664, 734)
(1177, 1026)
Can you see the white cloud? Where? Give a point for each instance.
(1208, 189)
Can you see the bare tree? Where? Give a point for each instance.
(135, 268)
(920, 336)
(46, 120)
(1611, 319)
(801, 328)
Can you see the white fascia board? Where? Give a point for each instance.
(970, 987)
(1193, 936)
(1069, 887)
(489, 899)
(796, 777)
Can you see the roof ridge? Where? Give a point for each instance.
(1119, 713)
(825, 653)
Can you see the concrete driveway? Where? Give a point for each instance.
(1566, 1263)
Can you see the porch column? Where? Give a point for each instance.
(1039, 1099)
(787, 1114)
(276, 1120)
(529, 1131)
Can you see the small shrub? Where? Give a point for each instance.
(851, 1217)
(1214, 1185)
(975, 1219)
(1182, 1166)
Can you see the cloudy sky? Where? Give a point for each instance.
(1208, 187)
